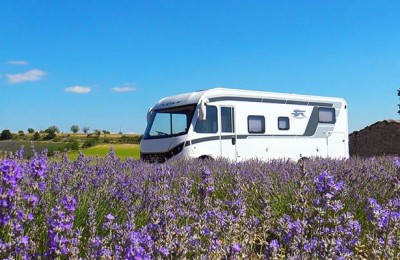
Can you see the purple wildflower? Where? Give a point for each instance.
(31, 199)
(272, 249)
(69, 203)
(25, 240)
(274, 244)
(110, 217)
(206, 187)
(38, 166)
(164, 251)
(236, 248)
(62, 238)
(397, 162)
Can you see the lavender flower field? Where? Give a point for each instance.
(104, 208)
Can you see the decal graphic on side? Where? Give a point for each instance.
(297, 113)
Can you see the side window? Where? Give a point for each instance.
(227, 123)
(210, 125)
(256, 124)
(283, 123)
(326, 115)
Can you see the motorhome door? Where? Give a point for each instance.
(228, 132)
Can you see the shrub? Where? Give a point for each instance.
(90, 142)
(50, 136)
(6, 135)
(130, 139)
(36, 136)
(52, 129)
(97, 132)
(73, 145)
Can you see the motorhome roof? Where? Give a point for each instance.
(195, 97)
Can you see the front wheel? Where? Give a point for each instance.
(206, 157)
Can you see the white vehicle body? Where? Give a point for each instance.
(243, 124)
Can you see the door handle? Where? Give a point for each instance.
(233, 140)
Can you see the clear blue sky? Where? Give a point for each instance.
(101, 64)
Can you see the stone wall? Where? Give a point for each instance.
(380, 138)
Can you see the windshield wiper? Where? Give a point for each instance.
(161, 133)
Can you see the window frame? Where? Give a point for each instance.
(288, 123)
(170, 111)
(262, 118)
(327, 109)
(207, 117)
(231, 119)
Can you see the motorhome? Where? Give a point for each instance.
(245, 124)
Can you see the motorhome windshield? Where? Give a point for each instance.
(169, 122)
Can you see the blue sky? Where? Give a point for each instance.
(101, 64)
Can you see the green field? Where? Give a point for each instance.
(122, 151)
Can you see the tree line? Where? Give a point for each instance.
(51, 132)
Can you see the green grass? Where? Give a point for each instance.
(122, 151)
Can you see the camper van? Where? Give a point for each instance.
(244, 124)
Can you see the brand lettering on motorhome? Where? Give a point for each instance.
(170, 103)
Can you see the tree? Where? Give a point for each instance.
(5, 135)
(36, 136)
(31, 130)
(398, 94)
(96, 132)
(21, 133)
(52, 130)
(85, 129)
(75, 129)
(50, 136)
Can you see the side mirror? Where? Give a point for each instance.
(203, 109)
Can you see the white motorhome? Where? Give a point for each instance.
(243, 124)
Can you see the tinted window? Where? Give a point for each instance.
(256, 124)
(326, 115)
(210, 125)
(283, 123)
(227, 123)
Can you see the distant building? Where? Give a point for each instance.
(380, 138)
